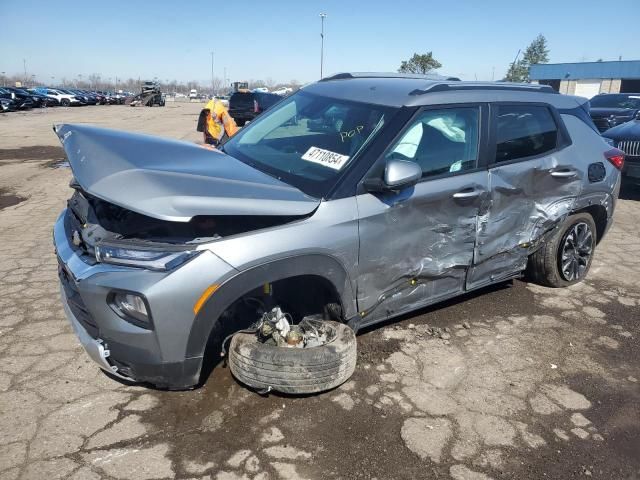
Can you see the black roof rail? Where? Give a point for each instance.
(457, 86)
(417, 76)
(440, 83)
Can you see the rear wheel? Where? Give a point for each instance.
(566, 257)
(66, 102)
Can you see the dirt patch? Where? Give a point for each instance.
(36, 152)
(8, 199)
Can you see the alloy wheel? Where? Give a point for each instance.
(576, 252)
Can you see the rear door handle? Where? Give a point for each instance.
(467, 193)
(564, 173)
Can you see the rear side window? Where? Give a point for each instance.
(524, 131)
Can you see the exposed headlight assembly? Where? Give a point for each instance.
(152, 259)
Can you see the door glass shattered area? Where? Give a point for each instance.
(306, 140)
(441, 141)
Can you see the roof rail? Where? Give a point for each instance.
(418, 76)
(440, 83)
(454, 86)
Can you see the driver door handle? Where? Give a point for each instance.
(467, 193)
(564, 173)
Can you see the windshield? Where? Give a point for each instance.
(616, 101)
(307, 140)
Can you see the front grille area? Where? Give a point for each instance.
(601, 124)
(631, 148)
(74, 300)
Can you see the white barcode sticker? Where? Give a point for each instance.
(325, 157)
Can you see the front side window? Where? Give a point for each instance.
(307, 140)
(524, 131)
(441, 141)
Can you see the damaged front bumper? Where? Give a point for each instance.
(95, 348)
(156, 354)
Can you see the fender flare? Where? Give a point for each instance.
(319, 265)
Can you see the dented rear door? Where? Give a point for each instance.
(534, 183)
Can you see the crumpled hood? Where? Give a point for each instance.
(173, 180)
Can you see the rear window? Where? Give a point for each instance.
(524, 131)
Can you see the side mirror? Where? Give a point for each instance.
(398, 175)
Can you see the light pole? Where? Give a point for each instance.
(4, 79)
(322, 17)
(212, 86)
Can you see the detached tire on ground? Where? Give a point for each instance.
(566, 257)
(294, 370)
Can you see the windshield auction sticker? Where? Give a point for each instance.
(325, 157)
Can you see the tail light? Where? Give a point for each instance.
(616, 157)
(255, 107)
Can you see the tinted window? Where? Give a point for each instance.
(615, 101)
(441, 141)
(524, 131)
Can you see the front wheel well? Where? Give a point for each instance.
(299, 296)
(600, 218)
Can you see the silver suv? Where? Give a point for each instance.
(361, 197)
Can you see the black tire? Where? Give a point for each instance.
(545, 265)
(65, 102)
(294, 370)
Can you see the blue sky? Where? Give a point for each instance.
(281, 39)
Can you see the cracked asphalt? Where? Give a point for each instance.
(522, 382)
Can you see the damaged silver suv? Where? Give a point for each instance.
(361, 197)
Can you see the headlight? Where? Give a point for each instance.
(130, 306)
(159, 260)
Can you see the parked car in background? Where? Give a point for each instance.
(193, 94)
(244, 105)
(626, 137)
(21, 102)
(7, 105)
(85, 98)
(47, 100)
(224, 99)
(38, 100)
(406, 200)
(610, 109)
(261, 90)
(283, 91)
(65, 98)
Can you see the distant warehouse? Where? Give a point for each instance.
(587, 79)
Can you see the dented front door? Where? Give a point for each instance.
(417, 245)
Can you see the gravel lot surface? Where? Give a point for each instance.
(513, 382)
